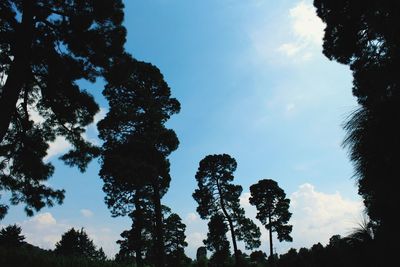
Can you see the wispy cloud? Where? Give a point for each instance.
(297, 36)
(192, 217)
(307, 31)
(86, 213)
(57, 147)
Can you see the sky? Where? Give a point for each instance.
(253, 83)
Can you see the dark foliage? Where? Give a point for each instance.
(134, 164)
(78, 244)
(340, 252)
(175, 241)
(272, 209)
(11, 237)
(46, 47)
(28, 256)
(217, 241)
(364, 35)
(216, 195)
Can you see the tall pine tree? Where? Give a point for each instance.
(134, 163)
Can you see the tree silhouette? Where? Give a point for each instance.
(365, 37)
(78, 243)
(175, 241)
(216, 195)
(138, 241)
(11, 237)
(134, 164)
(272, 209)
(46, 47)
(217, 242)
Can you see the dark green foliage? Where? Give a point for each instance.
(134, 164)
(201, 257)
(11, 237)
(46, 47)
(217, 242)
(364, 35)
(175, 241)
(78, 244)
(29, 256)
(217, 196)
(272, 209)
(338, 253)
(258, 258)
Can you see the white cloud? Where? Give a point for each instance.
(99, 115)
(43, 230)
(195, 240)
(244, 200)
(297, 35)
(316, 217)
(57, 147)
(43, 220)
(289, 49)
(306, 24)
(192, 217)
(86, 213)
(319, 216)
(307, 31)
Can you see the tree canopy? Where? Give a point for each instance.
(134, 164)
(217, 241)
(11, 237)
(272, 209)
(364, 35)
(77, 243)
(217, 195)
(46, 48)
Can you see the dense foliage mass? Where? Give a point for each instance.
(46, 47)
(134, 157)
(272, 209)
(365, 36)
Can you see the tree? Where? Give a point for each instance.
(11, 237)
(46, 47)
(175, 241)
(364, 35)
(258, 257)
(134, 164)
(216, 240)
(217, 195)
(201, 257)
(78, 244)
(272, 209)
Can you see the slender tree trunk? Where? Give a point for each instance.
(271, 251)
(159, 242)
(231, 227)
(138, 232)
(19, 70)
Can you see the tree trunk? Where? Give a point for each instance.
(235, 249)
(19, 69)
(138, 232)
(271, 251)
(159, 242)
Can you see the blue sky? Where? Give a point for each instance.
(253, 83)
